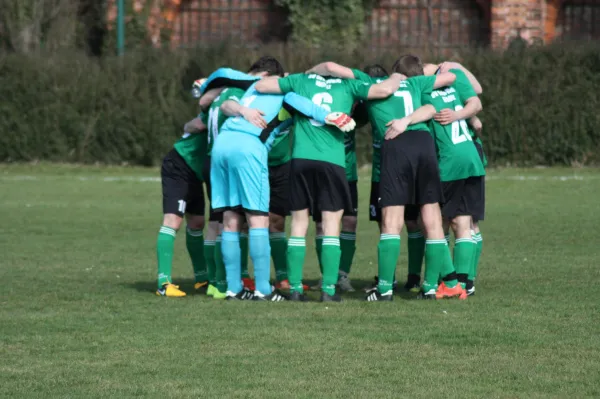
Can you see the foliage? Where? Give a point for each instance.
(540, 107)
(327, 23)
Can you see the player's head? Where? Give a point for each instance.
(409, 65)
(375, 71)
(266, 66)
(430, 69)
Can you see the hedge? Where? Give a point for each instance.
(540, 107)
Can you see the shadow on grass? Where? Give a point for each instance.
(187, 285)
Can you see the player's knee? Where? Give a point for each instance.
(212, 231)
(319, 228)
(299, 223)
(231, 221)
(461, 226)
(349, 223)
(173, 221)
(331, 223)
(256, 222)
(392, 220)
(276, 223)
(432, 220)
(412, 226)
(195, 222)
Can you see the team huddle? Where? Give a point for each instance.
(267, 145)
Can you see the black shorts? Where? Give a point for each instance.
(481, 216)
(411, 212)
(212, 215)
(181, 188)
(279, 183)
(462, 197)
(318, 186)
(409, 171)
(353, 187)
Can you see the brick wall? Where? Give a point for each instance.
(397, 23)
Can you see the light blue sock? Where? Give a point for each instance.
(232, 256)
(260, 253)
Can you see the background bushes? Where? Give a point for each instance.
(540, 106)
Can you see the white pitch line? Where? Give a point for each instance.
(153, 179)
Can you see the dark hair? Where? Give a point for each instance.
(409, 65)
(375, 71)
(267, 64)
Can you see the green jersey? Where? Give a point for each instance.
(216, 118)
(192, 148)
(314, 140)
(404, 101)
(350, 147)
(457, 155)
(281, 151)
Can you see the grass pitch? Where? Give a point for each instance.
(78, 317)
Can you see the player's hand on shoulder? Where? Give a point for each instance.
(399, 75)
(319, 69)
(254, 116)
(341, 120)
(445, 116)
(396, 127)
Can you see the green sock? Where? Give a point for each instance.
(296, 252)
(388, 252)
(437, 259)
(279, 254)
(194, 241)
(164, 254)
(348, 247)
(464, 249)
(319, 249)
(244, 249)
(209, 256)
(476, 255)
(220, 276)
(416, 252)
(331, 254)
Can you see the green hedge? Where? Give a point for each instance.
(540, 107)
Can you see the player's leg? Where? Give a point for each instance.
(194, 242)
(194, 237)
(278, 242)
(279, 177)
(348, 240)
(220, 291)
(175, 191)
(333, 198)
(230, 245)
(416, 249)
(210, 238)
(246, 279)
(477, 237)
(318, 247)
(464, 247)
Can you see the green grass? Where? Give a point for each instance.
(78, 317)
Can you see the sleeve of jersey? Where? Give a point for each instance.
(203, 117)
(306, 107)
(360, 75)
(426, 99)
(281, 129)
(358, 89)
(289, 83)
(426, 83)
(462, 85)
(227, 77)
(235, 94)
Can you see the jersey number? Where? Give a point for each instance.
(460, 130)
(323, 100)
(213, 124)
(408, 103)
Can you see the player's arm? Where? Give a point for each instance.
(207, 99)
(269, 85)
(399, 126)
(444, 79)
(332, 69)
(446, 66)
(386, 88)
(194, 126)
(311, 110)
(476, 124)
(254, 116)
(472, 107)
(227, 77)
